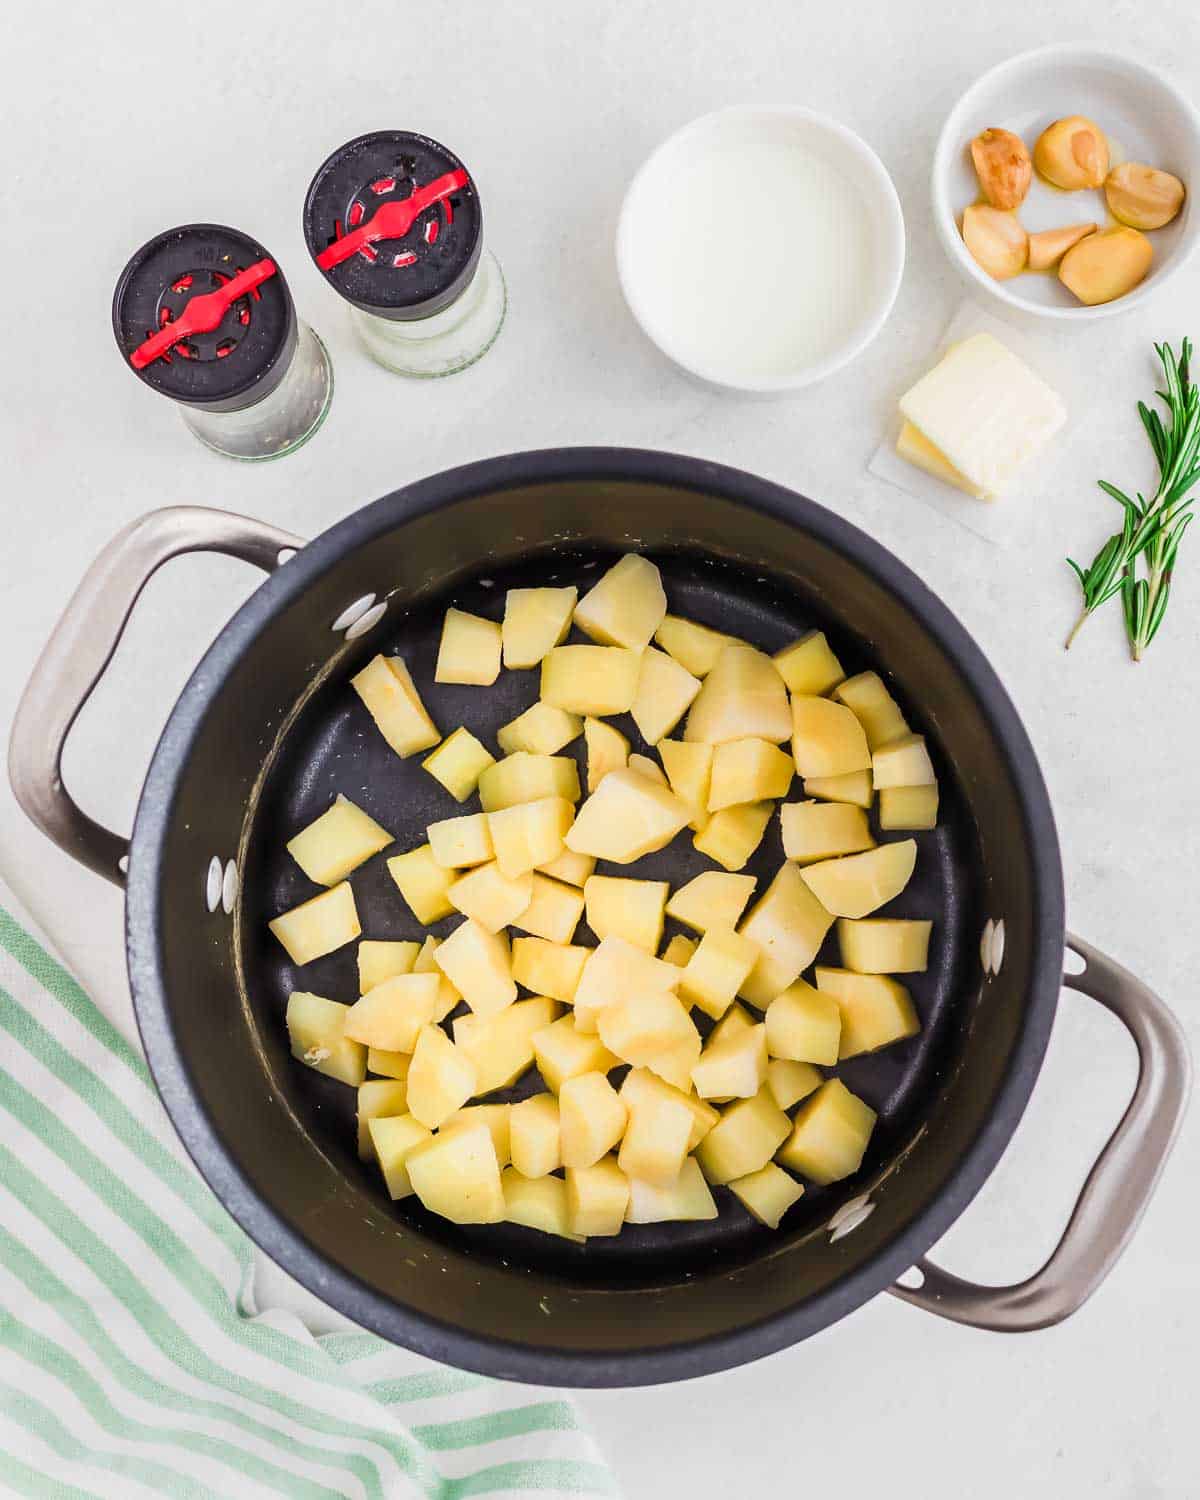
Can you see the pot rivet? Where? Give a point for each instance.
(998, 946)
(985, 945)
(851, 1221)
(229, 887)
(212, 884)
(353, 613)
(366, 621)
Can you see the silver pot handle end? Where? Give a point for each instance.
(81, 647)
(1118, 1188)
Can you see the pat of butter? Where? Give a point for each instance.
(984, 411)
(916, 449)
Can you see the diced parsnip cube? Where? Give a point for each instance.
(626, 817)
(479, 965)
(423, 883)
(711, 899)
(494, 1116)
(537, 1204)
(378, 961)
(561, 1052)
(528, 778)
(748, 771)
(665, 692)
(457, 1176)
(732, 835)
(614, 970)
(883, 945)
(501, 1046)
(490, 897)
(393, 1138)
(388, 694)
(790, 1082)
(318, 926)
(535, 621)
(688, 765)
(903, 762)
(735, 1068)
(876, 1010)
(641, 1084)
(694, 647)
(808, 666)
(337, 842)
(823, 830)
(540, 730)
(829, 1137)
(856, 788)
(392, 1015)
(629, 909)
(688, 1197)
(861, 883)
(804, 1025)
(441, 1078)
(644, 766)
(742, 696)
(655, 1143)
(316, 1029)
(639, 1028)
(551, 969)
(745, 1138)
(591, 680)
(717, 970)
(789, 925)
(458, 763)
(767, 1193)
(392, 1065)
(460, 843)
(827, 740)
(626, 606)
(679, 950)
(874, 707)
(530, 834)
(597, 1198)
(554, 911)
(591, 1119)
(469, 651)
(570, 868)
(735, 1019)
(674, 1066)
(376, 1098)
(534, 1138)
(908, 807)
(607, 750)
(448, 995)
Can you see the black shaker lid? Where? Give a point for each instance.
(202, 314)
(394, 223)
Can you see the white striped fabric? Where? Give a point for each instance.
(134, 1364)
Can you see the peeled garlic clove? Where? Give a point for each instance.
(1048, 247)
(996, 240)
(1143, 197)
(1003, 167)
(1105, 266)
(1072, 154)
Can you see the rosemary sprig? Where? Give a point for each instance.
(1138, 561)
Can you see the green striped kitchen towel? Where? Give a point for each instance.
(134, 1364)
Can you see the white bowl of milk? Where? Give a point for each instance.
(761, 249)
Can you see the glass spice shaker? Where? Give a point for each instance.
(394, 223)
(203, 315)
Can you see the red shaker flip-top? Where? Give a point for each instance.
(201, 314)
(392, 220)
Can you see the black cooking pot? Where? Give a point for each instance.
(267, 729)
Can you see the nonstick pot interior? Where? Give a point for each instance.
(269, 730)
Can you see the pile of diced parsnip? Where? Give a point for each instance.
(584, 1157)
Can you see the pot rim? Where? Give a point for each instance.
(286, 1243)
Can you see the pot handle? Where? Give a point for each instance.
(1118, 1188)
(81, 647)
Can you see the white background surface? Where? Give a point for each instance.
(120, 120)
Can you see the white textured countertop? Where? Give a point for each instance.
(121, 120)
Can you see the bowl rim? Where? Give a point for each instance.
(890, 277)
(946, 219)
(283, 1238)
